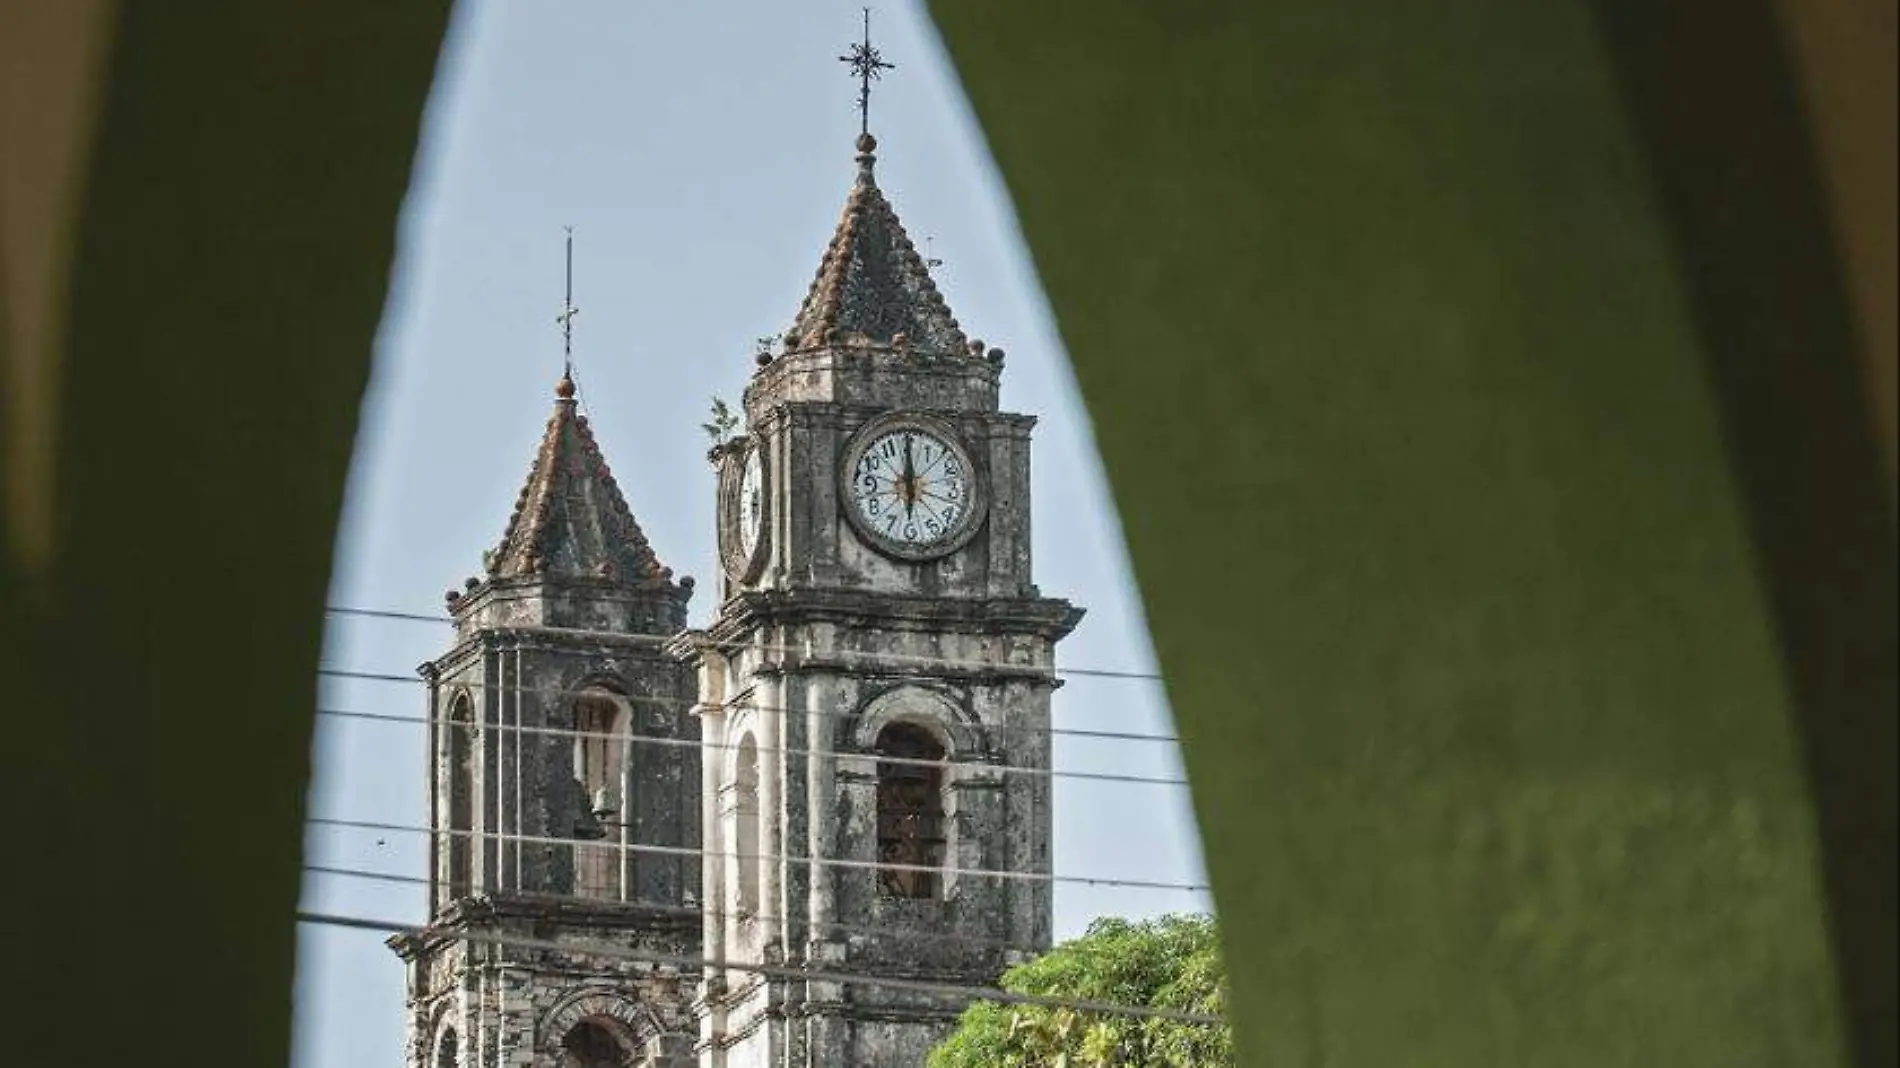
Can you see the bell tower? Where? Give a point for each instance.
(875, 689)
(564, 779)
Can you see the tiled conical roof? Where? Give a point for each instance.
(872, 286)
(571, 520)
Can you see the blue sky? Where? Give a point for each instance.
(702, 153)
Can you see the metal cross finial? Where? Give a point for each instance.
(568, 311)
(868, 65)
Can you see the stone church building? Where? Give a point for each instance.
(790, 839)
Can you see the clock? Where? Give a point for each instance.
(742, 504)
(751, 502)
(909, 487)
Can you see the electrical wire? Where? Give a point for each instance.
(661, 641)
(697, 910)
(678, 703)
(699, 852)
(769, 971)
(885, 661)
(695, 743)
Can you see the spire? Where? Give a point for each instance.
(868, 64)
(571, 520)
(872, 287)
(566, 318)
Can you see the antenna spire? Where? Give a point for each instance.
(868, 65)
(566, 319)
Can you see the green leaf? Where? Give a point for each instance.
(1171, 962)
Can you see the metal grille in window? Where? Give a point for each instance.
(910, 823)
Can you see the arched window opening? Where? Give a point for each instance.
(600, 755)
(746, 843)
(458, 872)
(591, 1045)
(447, 1053)
(910, 824)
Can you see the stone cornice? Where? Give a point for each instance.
(1049, 618)
(597, 588)
(500, 911)
(870, 666)
(689, 645)
(837, 414)
(871, 358)
(547, 639)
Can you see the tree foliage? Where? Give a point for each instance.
(1173, 962)
(723, 421)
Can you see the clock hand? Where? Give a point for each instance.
(910, 480)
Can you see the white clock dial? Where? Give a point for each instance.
(911, 487)
(751, 502)
(743, 502)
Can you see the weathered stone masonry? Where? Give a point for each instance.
(563, 632)
(861, 695)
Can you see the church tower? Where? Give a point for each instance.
(564, 779)
(874, 692)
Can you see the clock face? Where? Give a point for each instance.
(911, 488)
(742, 504)
(751, 515)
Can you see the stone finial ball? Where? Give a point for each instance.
(564, 389)
(866, 143)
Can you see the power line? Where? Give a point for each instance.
(779, 650)
(386, 613)
(698, 852)
(697, 910)
(689, 703)
(695, 852)
(769, 971)
(833, 754)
